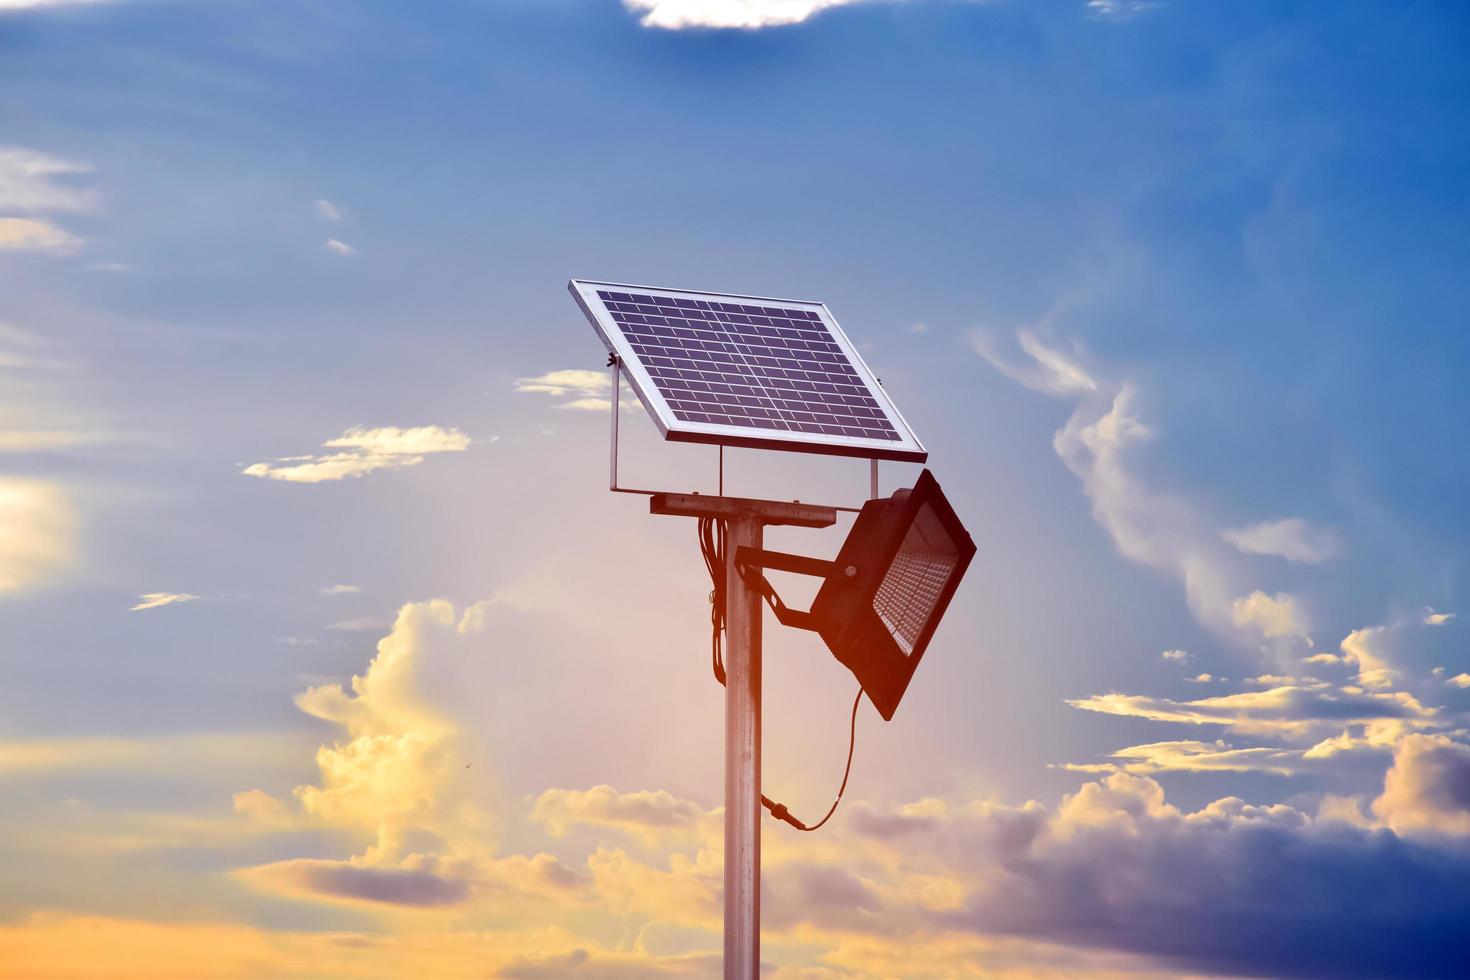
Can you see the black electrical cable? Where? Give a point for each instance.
(712, 549)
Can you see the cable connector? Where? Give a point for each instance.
(779, 811)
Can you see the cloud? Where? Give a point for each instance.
(1432, 618)
(393, 441)
(340, 247)
(1117, 10)
(1459, 680)
(1290, 538)
(591, 387)
(28, 180)
(1194, 756)
(566, 382)
(1178, 656)
(1275, 617)
(1363, 648)
(1100, 443)
(1231, 888)
(1201, 678)
(37, 533)
(423, 880)
(419, 886)
(1428, 787)
(1290, 711)
(648, 813)
(341, 590)
(368, 450)
(392, 773)
(676, 15)
(153, 600)
(37, 235)
(326, 210)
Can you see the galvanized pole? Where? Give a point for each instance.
(742, 758)
(745, 521)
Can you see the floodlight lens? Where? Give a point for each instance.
(915, 580)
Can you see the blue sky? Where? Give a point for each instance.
(1174, 293)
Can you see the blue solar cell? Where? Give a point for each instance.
(752, 365)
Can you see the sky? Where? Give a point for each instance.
(327, 652)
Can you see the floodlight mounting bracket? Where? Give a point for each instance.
(749, 561)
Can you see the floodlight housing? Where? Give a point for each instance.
(883, 596)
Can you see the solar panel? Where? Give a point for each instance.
(746, 371)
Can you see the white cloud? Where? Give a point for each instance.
(590, 387)
(740, 14)
(1432, 618)
(1364, 648)
(341, 590)
(37, 529)
(28, 180)
(1291, 538)
(37, 235)
(340, 247)
(565, 382)
(1178, 656)
(1295, 711)
(326, 210)
(153, 600)
(1459, 680)
(1120, 9)
(368, 450)
(393, 441)
(1201, 678)
(1276, 617)
(1100, 444)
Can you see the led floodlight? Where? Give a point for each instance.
(885, 593)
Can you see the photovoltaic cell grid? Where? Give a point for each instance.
(743, 364)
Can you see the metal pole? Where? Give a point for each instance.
(873, 479)
(612, 465)
(742, 759)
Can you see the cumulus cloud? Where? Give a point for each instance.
(37, 532)
(726, 14)
(1461, 680)
(1291, 538)
(326, 210)
(391, 774)
(1432, 618)
(1230, 888)
(154, 600)
(1178, 656)
(1428, 787)
(1275, 617)
(1364, 648)
(340, 247)
(365, 451)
